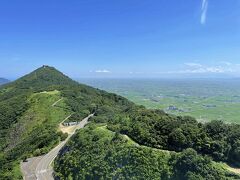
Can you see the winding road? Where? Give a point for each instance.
(39, 168)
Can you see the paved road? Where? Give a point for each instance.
(28, 168)
(40, 167)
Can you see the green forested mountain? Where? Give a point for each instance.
(123, 140)
(29, 123)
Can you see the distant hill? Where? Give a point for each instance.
(3, 81)
(122, 141)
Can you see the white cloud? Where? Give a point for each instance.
(217, 69)
(220, 67)
(204, 11)
(131, 72)
(102, 71)
(193, 64)
(226, 63)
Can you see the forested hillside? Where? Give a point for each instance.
(159, 130)
(123, 140)
(97, 153)
(29, 122)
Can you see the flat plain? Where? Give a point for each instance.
(204, 99)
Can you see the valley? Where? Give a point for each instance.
(204, 99)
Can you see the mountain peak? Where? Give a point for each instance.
(46, 67)
(43, 77)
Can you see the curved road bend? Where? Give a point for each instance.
(44, 170)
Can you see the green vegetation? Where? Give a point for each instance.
(135, 142)
(156, 129)
(28, 122)
(204, 99)
(34, 132)
(97, 153)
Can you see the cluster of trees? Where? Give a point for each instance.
(156, 129)
(189, 165)
(84, 100)
(10, 110)
(95, 153)
(39, 141)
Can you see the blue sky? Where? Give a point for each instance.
(127, 38)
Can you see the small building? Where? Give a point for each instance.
(172, 108)
(209, 105)
(70, 123)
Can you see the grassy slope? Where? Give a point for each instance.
(40, 113)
